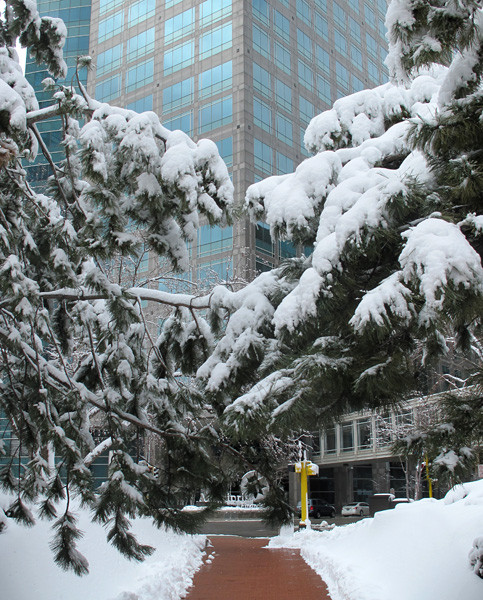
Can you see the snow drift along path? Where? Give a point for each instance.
(417, 551)
(28, 571)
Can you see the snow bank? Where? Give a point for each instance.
(28, 571)
(417, 551)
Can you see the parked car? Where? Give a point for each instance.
(355, 509)
(318, 508)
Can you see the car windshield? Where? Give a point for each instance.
(352, 504)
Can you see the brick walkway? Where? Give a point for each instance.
(243, 569)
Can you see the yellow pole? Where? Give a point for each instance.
(303, 490)
(428, 478)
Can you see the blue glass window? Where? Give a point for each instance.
(263, 239)
(340, 43)
(261, 41)
(370, 17)
(354, 4)
(110, 60)
(322, 4)
(225, 149)
(342, 75)
(355, 30)
(339, 15)
(382, 6)
(323, 89)
(215, 41)
(283, 95)
(281, 24)
(107, 5)
(304, 12)
(382, 27)
(142, 104)
(307, 110)
(140, 75)
(304, 44)
(216, 114)
(282, 57)
(140, 11)
(322, 58)
(321, 26)
(357, 84)
(178, 95)
(306, 76)
(284, 164)
(287, 249)
(212, 240)
(183, 122)
(382, 53)
(303, 149)
(214, 10)
(284, 129)
(262, 115)
(170, 3)
(215, 80)
(140, 44)
(371, 46)
(179, 26)
(111, 26)
(372, 71)
(356, 56)
(108, 89)
(215, 271)
(178, 57)
(263, 157)
(261, 10)
(262, 80)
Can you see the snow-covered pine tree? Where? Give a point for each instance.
(74, 344)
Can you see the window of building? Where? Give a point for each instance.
(262, 115)
(214, 239)
(347, 435)
(304, 44)
(363, 483)
(225, 149)
(371, 46)
(321, 26)
(178, 57)
(284, 129)
(354, 4)
(307, 110)
(382, 53)
(340, 43)
(323, 89)
(215, 80)
(282, 57)
(370, 17)
(178, 95)
(142, 104)
(261, 10)
(372, 71)
(261, 41)
(215, 41)
(303, 149)
(287, 249)
(183, 122)
(304, 12)
(364, 434)
(382, 6)
(263, 157)
(322, 58)
(140, 75)
(140, 44)
(111, 26)
(106, 6)
(355, 30)
(342, 75)
(215, 271)
(306, 76)
(357, 84)
(140, 11)
(283, 94)
(322, 4)
(281, 25)
(108, 89)
(214, 10)
(339, 15)
(262, 80)
(284, 165)
(263, 239)
(330, 441)
(356, 56)
(216, 114)
(179, 26)
(382, 27)
(384, 430)
(110, 60)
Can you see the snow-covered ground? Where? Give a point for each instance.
(28, 571)
(417, 551)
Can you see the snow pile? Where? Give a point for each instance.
(28, 571)
(417, 551)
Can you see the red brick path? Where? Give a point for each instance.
(243, 569)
